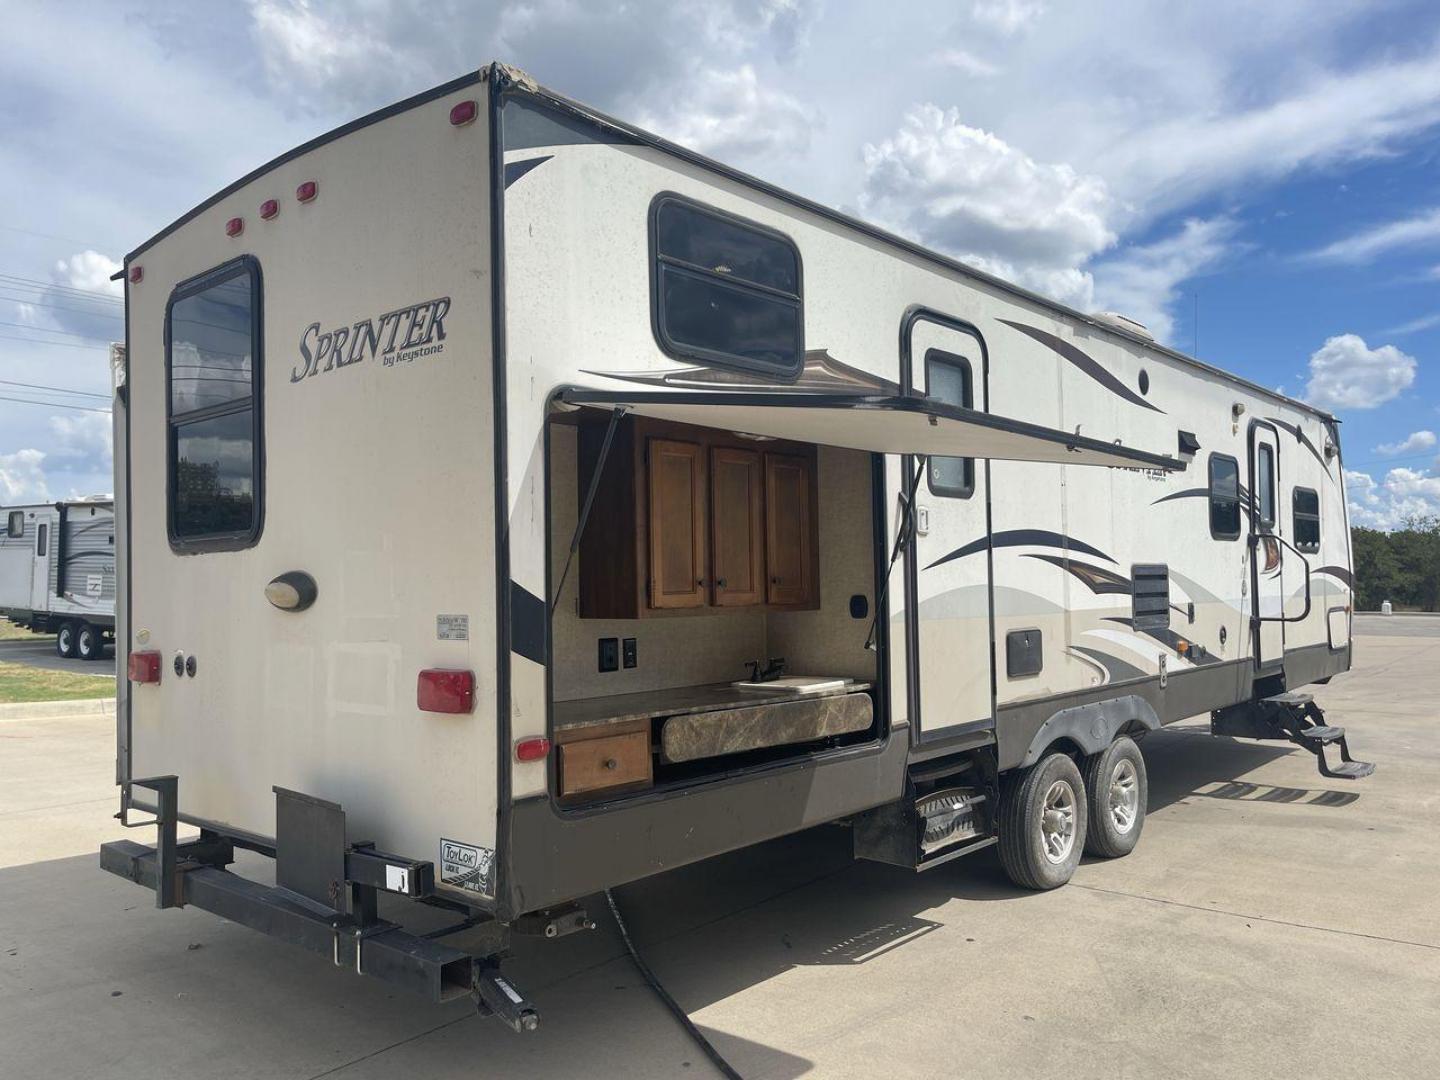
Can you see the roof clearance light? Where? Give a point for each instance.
(144, 666)
(464, 112)
(534, 749)
(269, 208)
(445, 691)
(137, 275)
(307, 191)
(235, 226)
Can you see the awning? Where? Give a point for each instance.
(885, 425)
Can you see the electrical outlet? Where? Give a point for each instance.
(609, 654)
(629, 652)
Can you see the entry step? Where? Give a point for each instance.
(1293, 697)
(1348, 770)
(1322, 733)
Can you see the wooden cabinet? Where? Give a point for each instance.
(737, 526)
(686, 521)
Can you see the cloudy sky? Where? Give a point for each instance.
(1256, 182)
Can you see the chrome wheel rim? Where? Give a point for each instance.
(1124, 798)
(1057, 822)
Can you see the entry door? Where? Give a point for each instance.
(40, 571)
(949, 625)
(1267, 554)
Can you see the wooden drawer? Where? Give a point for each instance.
(605, 764)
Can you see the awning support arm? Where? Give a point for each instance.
(900, 537)
(615, 416)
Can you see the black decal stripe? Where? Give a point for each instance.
(527, 623)
(1339, 573)
(1117, 669)
(514, 170)
(1022, 538)
(1189, 493)
(1085, 363)
(1304, 440)
(1097, 579)
(1170, 639)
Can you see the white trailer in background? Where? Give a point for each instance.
(57, 572)
(482, 463)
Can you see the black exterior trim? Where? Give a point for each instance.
(527, 623)
(1084, 363)
(233, 541)
(516, 169)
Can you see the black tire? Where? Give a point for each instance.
(1107, 835)
(65, 640)
(1024, 852)
(89, 644)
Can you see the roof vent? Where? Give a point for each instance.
(1122, 322)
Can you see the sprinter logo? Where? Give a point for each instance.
(397, 337)
(467, 866)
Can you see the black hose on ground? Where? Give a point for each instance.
(670, 1003)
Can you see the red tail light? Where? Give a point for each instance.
(445, 691)
(137, 275)
(464, 112)
(536, 749)
(269, 208)
(235, 226)
(145, 667)
(307, 191)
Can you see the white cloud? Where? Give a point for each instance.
(82, 441)
(971, 194)
(1413, 443)
(1368, 244)
(1006, 16)
(1143, 282)
(964, 61)
(1414, 326)
(1388, 503)
(1345, 373)
(90, 271)
(22, 477)
(729, 114)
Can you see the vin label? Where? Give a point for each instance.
(452, 627)
(467, 866)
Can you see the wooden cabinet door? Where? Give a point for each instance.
(677, 524)
(737, 533)
(789, 530)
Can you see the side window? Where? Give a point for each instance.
(949, 378)
(15, 524)
(1265, 484)
(212, 335)
(42, 539)
(1305, 506)
(1224, 497)
(726, 291)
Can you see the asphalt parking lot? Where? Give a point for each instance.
(1271, 923)
(40, 653)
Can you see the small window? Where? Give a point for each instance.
(1224, 497)
(949, 378)
(42, 540)
(1149, 596)
(212, 332)
(1265, 484)
(1305, 505)
(15, 524)
(727, 291)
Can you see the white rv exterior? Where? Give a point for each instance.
(57, 572)
(457, 300)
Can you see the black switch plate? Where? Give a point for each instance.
(609, 654)
(628, 652)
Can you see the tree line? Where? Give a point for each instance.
(1401, 566)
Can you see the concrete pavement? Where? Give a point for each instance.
(1270, 923)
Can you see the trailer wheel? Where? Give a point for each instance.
(89, 645)
(1043, 816)
(1118, 791)
(65, 640)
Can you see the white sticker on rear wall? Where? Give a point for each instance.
(94, 584)
(467, 866)
(452, 627)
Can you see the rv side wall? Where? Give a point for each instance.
(378, 482)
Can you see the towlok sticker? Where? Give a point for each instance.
(471, 868)
(396, 337)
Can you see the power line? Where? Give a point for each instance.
(60, 389)
(94, 313)
(53, 404)
(47, 330)
(51, 286)
(42, 341)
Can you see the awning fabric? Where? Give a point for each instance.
(886, 425)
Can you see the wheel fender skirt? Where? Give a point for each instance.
(1092, 727)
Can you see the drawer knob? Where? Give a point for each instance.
(611, 763)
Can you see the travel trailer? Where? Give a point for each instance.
(57, 572)
(515, 505)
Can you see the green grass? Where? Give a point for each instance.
(10, 632)
(19, 682)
